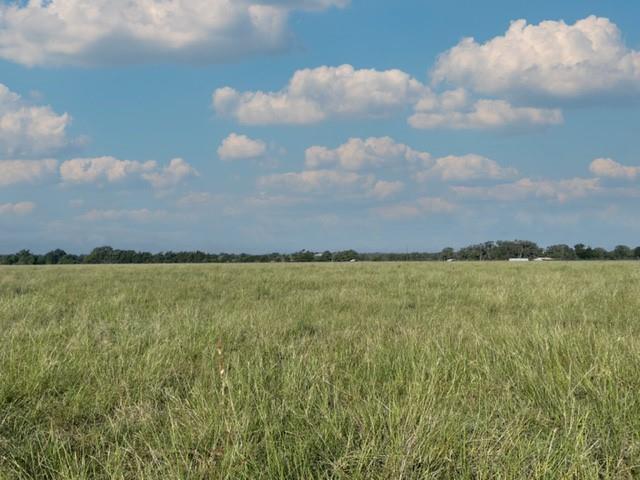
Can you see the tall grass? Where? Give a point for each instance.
(358, 371)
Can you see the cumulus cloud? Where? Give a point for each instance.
(384, 189)
(29, 130)
(310, 181)
(171, 175)
(313, 95)
(466, 167)
(140, 215)
(606, 167)
(482, 114)
(378, 152)
(324, 182)
(420, 207)
(21, 208)
(25, 171)
(105, 32)
(358, 153)
(338, 169)
(240, 147)
(312, 5)
(549, 60)
(555, 190)
(354, 163)
(110, 170)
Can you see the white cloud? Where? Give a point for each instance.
(259, 108)
(556, 190)
(29, 130)
(482, 115)
(316, 180)
(448, 101)
(171, 175)
(378, 152)
(313, 95)
(466, 167)
(551, 60)
(240, 147)
(25, 171)
(110, 170)
(307, 4)
(326, 182)
(99, 32)
(606, 167)
(140, 215)
(344, 166)
(21, 208)
(384, 189)
(420, 207)
(357, 154)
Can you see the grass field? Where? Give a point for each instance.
(367, 371)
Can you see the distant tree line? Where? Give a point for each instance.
(109, 255)
(488, 251)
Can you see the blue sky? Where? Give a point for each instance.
(262, 125)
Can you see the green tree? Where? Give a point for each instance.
(583, 252)
(303, 256)
(53, 257)
(447, 253)
(560, 252)
(345, 256)
(100, 255)
(599, 254)
(25, 257)
(622, 252)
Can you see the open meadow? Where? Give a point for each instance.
(365, 371)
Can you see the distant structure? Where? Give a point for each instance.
(543, 259)
(518, 259)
